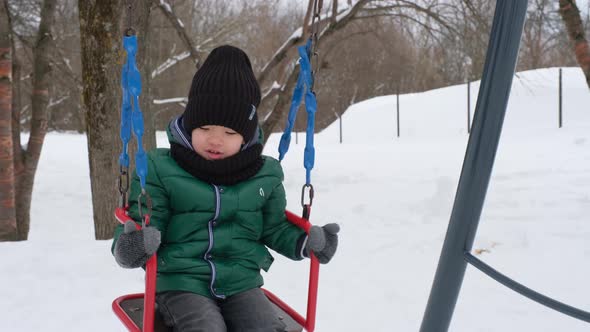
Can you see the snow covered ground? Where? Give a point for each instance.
(392, 197)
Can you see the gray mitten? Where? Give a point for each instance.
(134, 247)
(323, 241)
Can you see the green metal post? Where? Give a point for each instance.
(490, 109)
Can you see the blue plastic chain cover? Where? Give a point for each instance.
(131, 116)
(309, 152)
(304, 84)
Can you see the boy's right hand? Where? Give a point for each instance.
(134, 247)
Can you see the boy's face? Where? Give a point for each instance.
(216, 142)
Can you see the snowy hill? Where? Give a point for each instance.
(392, 197)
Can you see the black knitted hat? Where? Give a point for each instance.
(224, 92)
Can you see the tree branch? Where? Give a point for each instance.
(571, 17)
(166, 9)
(284, 91)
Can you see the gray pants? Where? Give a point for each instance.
(249, 311)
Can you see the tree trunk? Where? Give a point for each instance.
(102, 56)
(142, 10)
(17, 150)
(573, 22)
(8, 230)
(141, 24)
(26, 162)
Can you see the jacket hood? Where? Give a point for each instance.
(177, 134)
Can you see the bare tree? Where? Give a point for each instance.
(25, 161)
(415, 46)
(277, 73)
(429, 16)
(571, 17)
(63, 108)
(460, 54)
(65, 104)
(102, 56)
(168, 12)
(535, 41)
(282, 90)
(8, 226)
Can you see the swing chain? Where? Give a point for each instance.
(317, 8)
(307, 207)
(313, 52)
(129, 31)
(311, 192)
(148, 203)
(123, 185)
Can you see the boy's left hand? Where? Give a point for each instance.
(323, 241)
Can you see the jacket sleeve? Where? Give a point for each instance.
(278, 233)
(160, 203)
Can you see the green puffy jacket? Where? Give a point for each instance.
(214, 238)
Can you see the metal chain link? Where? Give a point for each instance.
(123, 185)
(148, 203)
(129, 31)
(313, 53)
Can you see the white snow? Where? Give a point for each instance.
(166, 6)
(392, 197)
(181, 100)
(170, 62)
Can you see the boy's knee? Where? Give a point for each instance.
(185, 311)
(251, 311)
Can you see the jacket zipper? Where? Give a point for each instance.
(207, 256)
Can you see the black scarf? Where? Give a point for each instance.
(228, 171)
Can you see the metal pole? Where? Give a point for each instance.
(490, 108)
(468, 106)
(560, 99)
(397, 105)
(340, 122)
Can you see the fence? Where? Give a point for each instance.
(397, 134)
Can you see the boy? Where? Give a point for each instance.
(217, 205)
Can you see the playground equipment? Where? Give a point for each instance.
(137, 311)
(475, 176)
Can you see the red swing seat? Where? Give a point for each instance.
(130, 308)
